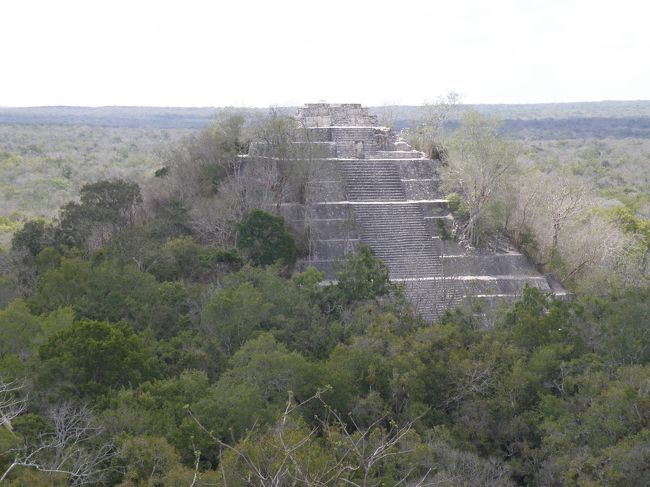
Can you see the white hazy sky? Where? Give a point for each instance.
(285, 52)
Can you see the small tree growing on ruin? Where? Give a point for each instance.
(429, 136)
(479, 165)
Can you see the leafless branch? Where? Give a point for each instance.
(68, 448)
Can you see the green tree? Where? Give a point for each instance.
(234, 314)
(265, 241)
(109, 291)
(294, 313)
(270, 367)
(159, 407)
(105, 208)
(21, 331)
(33, 237)
(152, 461)
(183, 258)
(362, 276)
(99, 356)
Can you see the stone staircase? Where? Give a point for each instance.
(398, 236)
(394, 228)
(372, 181)
(432, 297)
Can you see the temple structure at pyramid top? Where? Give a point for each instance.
(349, 131)
(336, 115)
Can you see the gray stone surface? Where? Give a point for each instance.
(387, 196)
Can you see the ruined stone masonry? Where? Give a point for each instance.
(387, 196)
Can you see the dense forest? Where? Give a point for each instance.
(154, 331)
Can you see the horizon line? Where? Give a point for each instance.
(299, 105)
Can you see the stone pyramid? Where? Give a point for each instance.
(380, 192)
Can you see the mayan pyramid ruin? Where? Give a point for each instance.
(380, 192)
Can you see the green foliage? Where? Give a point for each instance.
(536, 321)
(170, 219)
(97, 356)
(215, 151)
(453, 202)
(553, 389)
(234, 314)
(33, 237)
(631, 223)
(622, 323)
(191, 350)
(159, 329)
(260, 299)
(112, 292)
(265, 241)
(268, 366)
(105, 207)
(22, 332)
(361, 276)
(183, 258)
(8, 224)
(42, 169)
(326, 454)
(150, 460)
(374, 374)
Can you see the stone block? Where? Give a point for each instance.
(421, 189)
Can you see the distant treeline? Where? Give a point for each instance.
(540, 121)
(575, 128)
(119, 117)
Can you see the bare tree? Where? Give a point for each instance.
(546, 204)
(17, 267)
(564, 200)
(595, 244)
(429, 136)
(466, 469)
(556, 220)
(12, 401)
(478, 167)
(286, 457)
(73, 448)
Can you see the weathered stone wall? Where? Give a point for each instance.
(352, 131)
(327, 115)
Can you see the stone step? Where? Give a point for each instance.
(377, 190)
(412, 154)
(392, 207)
(391, 216)
(397, 244)
(383, 222)
(415, 263)
(411, 257)
(415, 253)
(385, 229)
(361, 181)
(371, 180)
(376, 194)
(352, 169)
